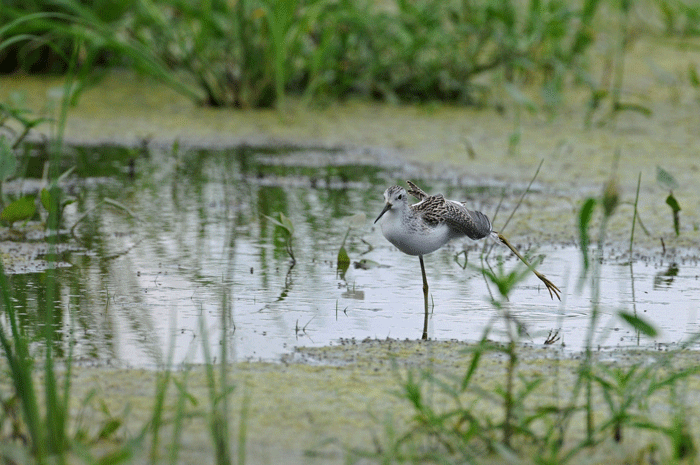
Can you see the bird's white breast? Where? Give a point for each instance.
(414, 238)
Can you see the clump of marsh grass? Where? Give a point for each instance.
(44, 426)
(252, 53)
(34, 30)
(611, 91)
(255, 53)
(45, 433)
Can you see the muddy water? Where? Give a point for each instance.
(196, 262)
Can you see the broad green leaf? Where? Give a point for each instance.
(611, 196)
(21, 209)
(343, 258)
(673, 203)
(287, 223)
(633, 107)
(638, 323)
(8, 161)
(693, 76)
(274, 221)
(47, 201)
(343, 261)
(283, 222)
(65, 174)
(109, 428)
(665, 178)
(583, 222)
(675, 207)
(51, 201)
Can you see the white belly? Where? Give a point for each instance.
(416, 241)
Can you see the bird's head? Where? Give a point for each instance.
(394, 195)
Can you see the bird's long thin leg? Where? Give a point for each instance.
(553, 290)
(425, 298)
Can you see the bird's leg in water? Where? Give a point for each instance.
(425, 298)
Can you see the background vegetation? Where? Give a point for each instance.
(252, 53)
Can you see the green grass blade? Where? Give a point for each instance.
(634, 215)
(584, 220)
(17, 354)
(638, 324)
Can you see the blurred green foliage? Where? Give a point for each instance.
(252, 53)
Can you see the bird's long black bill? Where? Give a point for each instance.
(386, 209)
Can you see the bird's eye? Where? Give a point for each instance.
(400, 197)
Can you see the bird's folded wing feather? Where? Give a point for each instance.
(431, 209)
(435, 209)
(473, 224)
(416, 191)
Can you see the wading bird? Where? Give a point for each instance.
(424, 227)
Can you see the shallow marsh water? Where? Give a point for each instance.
(135, 290)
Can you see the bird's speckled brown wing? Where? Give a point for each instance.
(473, 224)
(416, 191)
(431, 209)
(435, 209)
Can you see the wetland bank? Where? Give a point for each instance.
(316, 357)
